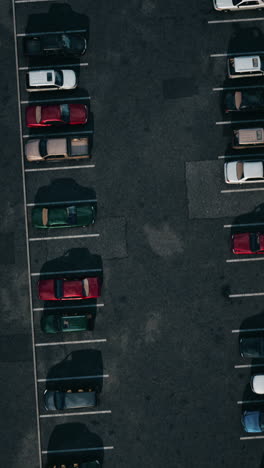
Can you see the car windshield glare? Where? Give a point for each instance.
(65, 112)
(66, 42)
(59, 78)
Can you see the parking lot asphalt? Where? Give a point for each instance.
(163, 346)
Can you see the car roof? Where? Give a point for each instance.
(78, 399)
(253, 169)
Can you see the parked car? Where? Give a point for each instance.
(72, 45)
(56, 114)
(55, 323)
(248, 138)
(245, 66)
(234, 5)
(63, 216)
(87, 464)
(58, 400)
(60, 289)
(257, 384)
(57, 149)
(248, 243)
(251, 346)
(50, 80)
(241, 172)
(253, 421)
(246, 100)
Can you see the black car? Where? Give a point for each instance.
(55, 44)
(246, 100)
(252, 346)
(64, 400)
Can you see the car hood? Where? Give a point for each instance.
(78, 43)
(32, 150)
(251, 421)
(241, 241)
(251, 347)
(257, 384)
(49, 400)
(78, 113)
(224, 4)
(231, 171)
(69, 78)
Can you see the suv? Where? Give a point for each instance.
(49, 80)
(233, 5)
(245, 66)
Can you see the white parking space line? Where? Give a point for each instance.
(83, 413)
(33, 1)
(247, 330)
(43, 101)
(245, 402)
(27, 251)
(239, 260)
(41, 309)
(257, 189)
(80, 236)
(67, 65)
(41, 135)
(244, 20)
(58, 343)
(231, 54)
(229, 88)
(50, 32)
(242, 225)
(61, 168)
(67, 272)
(252, 437)
(246, 366)
(232, 122)
(246, 295)
(238, 156)
(90, 449)
(80, 377)
(65, 202)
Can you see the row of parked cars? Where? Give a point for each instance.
(49, 148)
(241, 101)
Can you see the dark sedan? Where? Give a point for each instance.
(252, 346)
(245, 100)
(59, 401)
(71, 45)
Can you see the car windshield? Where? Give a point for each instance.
(236, 2)
(65, 112)
(66, 42)
(254, 242)
(43, 148)
(58, 78)
(261, 420)
(59, 398)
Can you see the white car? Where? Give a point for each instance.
(234, 5)
(241, 172)
(48, 80)
(257, 384)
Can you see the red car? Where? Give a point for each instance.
(248, 243)
(56, 114)
(61, 289)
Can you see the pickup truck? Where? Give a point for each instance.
(245, 66)
(57, 149)
(49, 80)
(248, 138)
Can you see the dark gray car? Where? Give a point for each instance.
(58, 401)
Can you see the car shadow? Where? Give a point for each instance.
(63, 189)
(76, 437)
(255, 218)
(79, 369)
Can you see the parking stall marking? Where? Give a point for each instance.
(257, 189)
(67, 65)
(231, 54)
(242, 20)
(247, 330)
(34, 360)
(239, 156)
(42, 309)
(41, 135)
(252, 437)
(229, 88)
(44, 33)
(228, 226)
(67, 272)
(65, 202)
(246, 294)
(60, 168)
(234, 122)
(80, 236)
(43, 101)
(246, 402)
(59, 343)
(33, 1)
(83, 413)
(247, 366)
(81, 377)
(239, 260)
(90, 449)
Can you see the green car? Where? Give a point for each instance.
(64, 323)
(63, 216)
